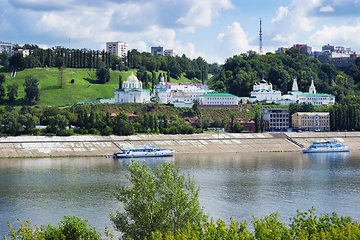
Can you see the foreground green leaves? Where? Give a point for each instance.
(71, 227)
(157, 201)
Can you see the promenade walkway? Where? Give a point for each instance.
(45, 146)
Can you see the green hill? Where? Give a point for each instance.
(84, 88)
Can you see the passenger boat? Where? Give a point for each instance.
(144, 151)
(326, 147)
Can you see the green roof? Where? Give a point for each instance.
(218, 95)
(316, 95)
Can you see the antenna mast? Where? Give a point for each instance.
(260, 42)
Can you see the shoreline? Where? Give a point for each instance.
(101, 146)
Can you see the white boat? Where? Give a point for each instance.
(326, 147)
(144, 151)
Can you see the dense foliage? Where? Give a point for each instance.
(240, 72)
(71, 227)
(157, 201)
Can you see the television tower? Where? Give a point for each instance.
(260, 42)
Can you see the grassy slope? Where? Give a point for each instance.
(85, 87)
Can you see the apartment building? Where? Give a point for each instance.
(278, 118)
(5, 47)
(119, 49)
(338, 56)
(311, 121)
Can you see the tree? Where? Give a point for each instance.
(120, 82)
(102, 73)
(29, 122)
(57, 124)
(2, 88)
(32, 91)
(62, 77)
(4, 58)
(257, 121)
(12, 91)
(161, 200)
(18, 61)
(262, 122)
(71, 227)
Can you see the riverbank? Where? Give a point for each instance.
(54, 146)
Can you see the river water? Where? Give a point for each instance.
(239, 185)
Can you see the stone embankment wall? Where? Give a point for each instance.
(44, 146)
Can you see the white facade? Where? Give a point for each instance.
(264, 91)
(117, 48)
(170, 52)
(311, 97)
(179, 92)
(5, 47)
(219, 99)
(132, 92)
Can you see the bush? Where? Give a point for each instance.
(67, 132)
(107, 131)
(71, 227)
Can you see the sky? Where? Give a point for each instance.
(212, 29)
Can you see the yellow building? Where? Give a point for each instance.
(311, 121)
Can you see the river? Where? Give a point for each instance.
(241, 185)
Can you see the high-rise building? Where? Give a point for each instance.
(170, 52)
(5, 47)
(303, 48)
(117, 48)
(337, 56)
(157, 51)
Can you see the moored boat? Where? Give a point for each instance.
(326, 147)
(144, 151)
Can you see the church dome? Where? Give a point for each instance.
(132, 78)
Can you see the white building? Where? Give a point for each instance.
(5, 47)
(170, 52)
(217, 99)
(264, 91)
(117, 48)
(179, 93)
(316, 99)
(159, 51)
(132, 92)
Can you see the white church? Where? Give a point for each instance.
(263, 91)
(132, 92)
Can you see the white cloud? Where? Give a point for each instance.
(232, 41)
(344, 35)
(289, 39)
(327, 8)
(290, 21)
(202, 12)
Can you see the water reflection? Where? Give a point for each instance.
(332, 156)
(151, 162)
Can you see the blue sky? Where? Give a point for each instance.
(213, 29)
